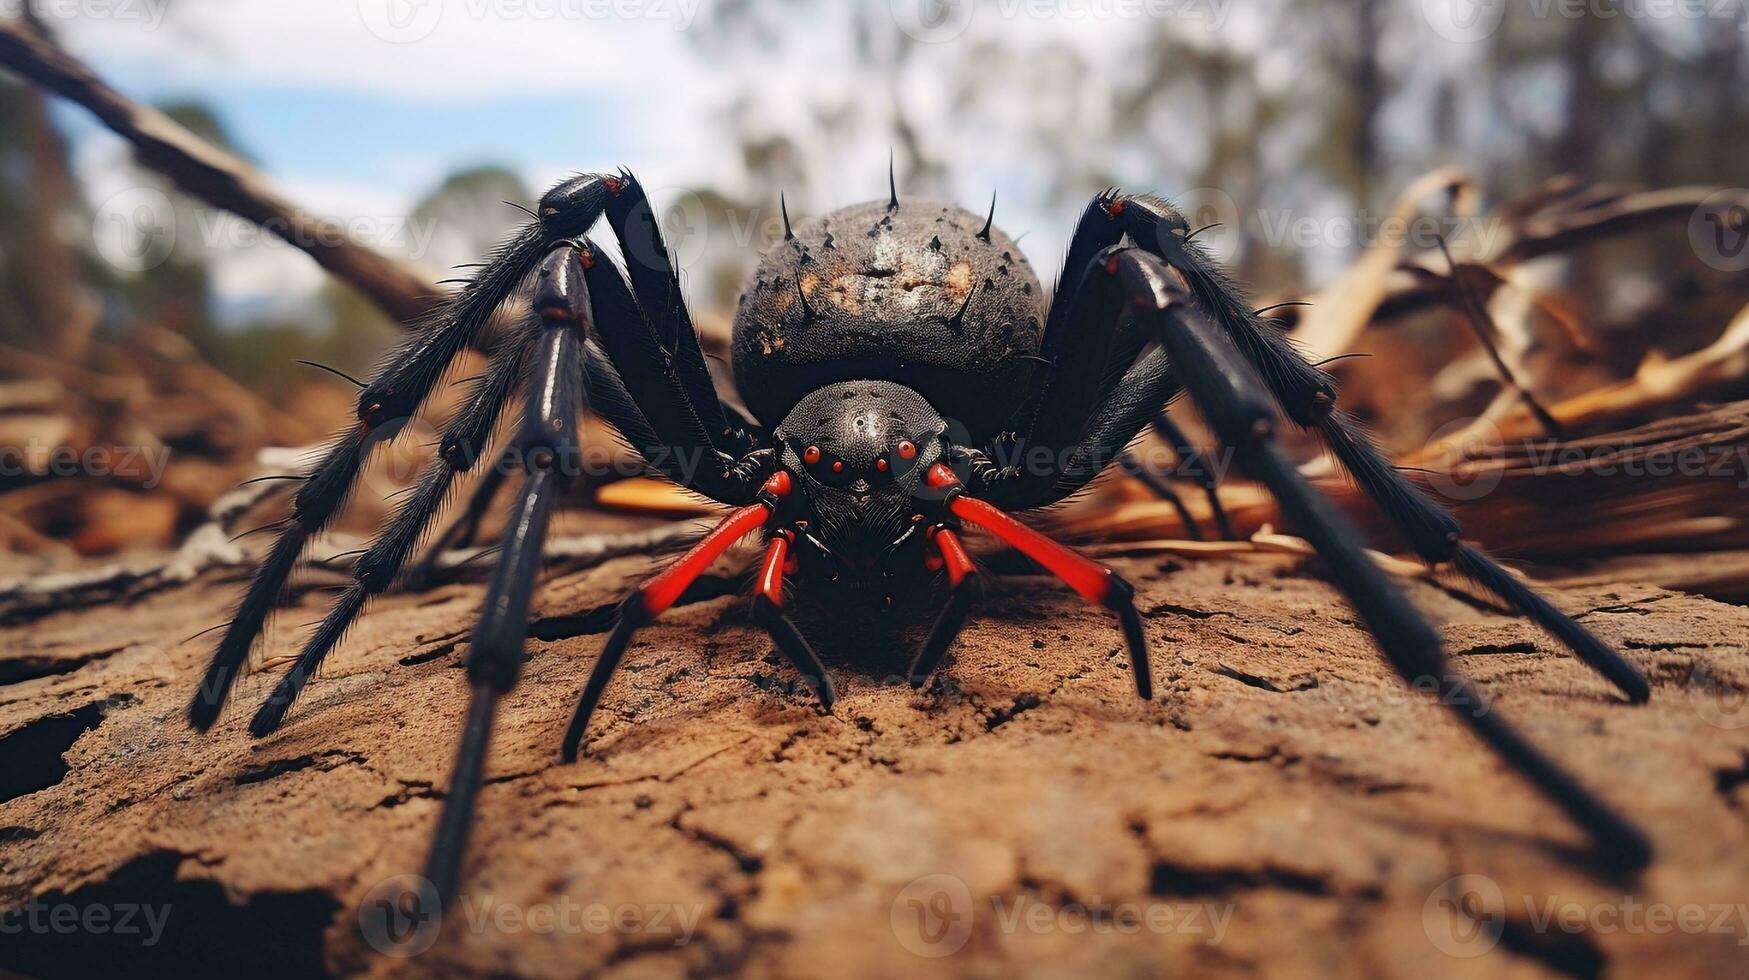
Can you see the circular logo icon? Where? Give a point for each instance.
(932, 21)
(1469, 440)
(932, 916)
(1464, 916)
(684, 221)
(1718, 703)
(1719, 230)
(135, 230)
(391, 473)
(401, 916)
(1213, 216)
(401, 21)
(1464, 21)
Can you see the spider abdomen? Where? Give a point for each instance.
(924, 294)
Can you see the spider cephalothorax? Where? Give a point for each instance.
(860, 450)
(906, 381)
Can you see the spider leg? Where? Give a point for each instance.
(375, 571)
(965, 588)
(1233, 401)
(656, 285)
(1195, 464)
(393, 395)
(551, 456)
(1091, 580)
(647, 401)
(1087, 406)
(1308, 396)
(654, 597)
(768, 612)
(408, 376)
(1158, 484)
(466, 526)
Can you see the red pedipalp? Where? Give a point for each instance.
(771, 572)
(665, 589)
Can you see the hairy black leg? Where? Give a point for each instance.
(1090, 407)
(1233, 401)
(551, 455)
(1085, 355)
(313, 506)
(1161, 487)
(458, 450)
(650, 399)
(965, 588)
(656, 284)
(466, 526)
(393, 394)
(1308, 396)
(1193, 463)
(610, 400)
(655, 597)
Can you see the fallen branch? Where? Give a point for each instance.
(220, 178)
(213, 546)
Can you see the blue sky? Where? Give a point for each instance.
(355, 121)
(358, 108)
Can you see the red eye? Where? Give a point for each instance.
(907, 449)
(811, 455)
(838, 466)
(882, 465)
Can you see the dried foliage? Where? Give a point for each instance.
(1643, 449)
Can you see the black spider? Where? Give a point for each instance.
(918, 382)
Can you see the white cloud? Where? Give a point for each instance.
(476, 48)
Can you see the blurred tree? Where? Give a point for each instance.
(52, 311)
(467, 214)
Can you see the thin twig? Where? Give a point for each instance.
(1476, 315)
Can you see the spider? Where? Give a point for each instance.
(905, 378)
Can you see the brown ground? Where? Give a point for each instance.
(1282, 806)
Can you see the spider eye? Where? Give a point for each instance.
(897, 461)
(811, 455)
